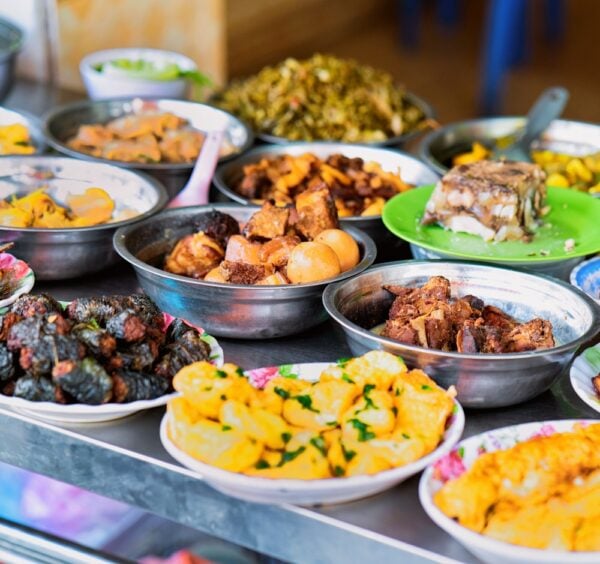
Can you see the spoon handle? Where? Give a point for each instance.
(548, 107)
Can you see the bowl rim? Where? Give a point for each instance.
(575, 273)
(103, 56)
(58, 113)
(429, 113)
(490, 544)
(330, 293)
(424, 148)
(163, 199)
(120, 238)
(262, 150)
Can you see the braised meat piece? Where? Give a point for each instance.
(47, 351)
(530, 336)
(97, 340)
(242, 273)
(316, 211)
(7, 364)
(429, 317)
(127, 326)
(100, 309)
(34, 389)
(85, 380)
(133, 386)
(6, 322)
(194, 256)
(596, 384)
(277, 251)
(28, 331)
(188, 348)
(29, 305)
(268, 222)
(218, 226)
(139, 356)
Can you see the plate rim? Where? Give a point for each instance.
(582, 393)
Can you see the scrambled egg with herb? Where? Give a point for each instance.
(543, 493)
(15, 140)
(363, 416)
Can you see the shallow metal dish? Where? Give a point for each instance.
(58, 254)
(438, 147)
(11, 41)
(9, 117)
(62, 123)
(223, 310)
(482, 380)
(396, 141)
(412, 171)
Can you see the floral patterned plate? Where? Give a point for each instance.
(459, 460)
(585, 367)
(17, 276)
(307, 492)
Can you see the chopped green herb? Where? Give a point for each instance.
(426, 387)
(347, 378)
(207, 388)
(285, 437)
(338, 471)
(397, 392)
(261, 464)
(332, 423)
(306, 402)
(240, 372)
(288, 456)
(341, 362)
(395, 410)
(226, 428)
(221, 374)
(281, 392)
(405, 435)
(363, 430)
(368, 388)
(93, 323)
(461, 452)
(223, 397)
(319, 444)
(348, 454)
(285, 370)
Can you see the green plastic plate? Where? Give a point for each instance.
(573, 215)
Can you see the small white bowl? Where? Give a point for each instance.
(102, 86)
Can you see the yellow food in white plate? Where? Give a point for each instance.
(363, 416)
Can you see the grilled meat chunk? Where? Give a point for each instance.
(189, 348)
(97, 340)
(139, 356)
(6, 322)
(267, 223)
(86, 380)
(134, 386)
(100, 309)
(29, 305)
(7, 364)
(47, 351)
(127, 326)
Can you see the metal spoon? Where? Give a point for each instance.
(548, 107)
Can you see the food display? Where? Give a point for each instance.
(497, 201)
(278, 245)
(362, 416)
(429, 317)
(15, 140)
(323, 98)
(358, 187)
(39, 209)
(542, 492)
(93, 351)
(144, 137)
(562, 170)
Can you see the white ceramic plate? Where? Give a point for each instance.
(582, 373)
(77, 413)
(23, 277)
(307, 492)
(461, 458)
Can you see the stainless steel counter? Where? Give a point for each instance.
(125, 460)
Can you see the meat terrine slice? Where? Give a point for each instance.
(497, 200)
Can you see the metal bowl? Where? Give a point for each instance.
(62, 123)
(396, 141)
(58, 254)
(482, 380)
(224, 310)
(438, 147)
(9, 117)
(412, 170)
(11, 41)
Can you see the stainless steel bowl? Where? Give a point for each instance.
(482, 380)
(412, 170)
(11, 41)
(62, 123)
(58, 254)
(33, 125)
(438, 147)
(396, 141)
(224, 310)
